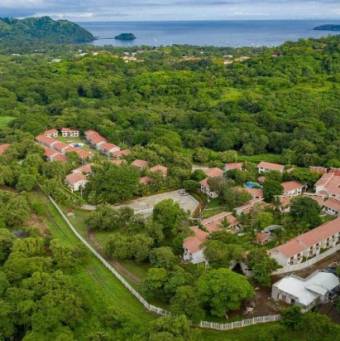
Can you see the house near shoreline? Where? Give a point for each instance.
(265, 167)
(308, 292)
(308, 245)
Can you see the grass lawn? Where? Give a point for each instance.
(5, 120)
(261, 157)
(100, 286)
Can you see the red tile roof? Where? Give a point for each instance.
(61, 147)
(256, 193)
(330, 182)
(3, 148)
(47, 141)
(194, 243)
(83, 154)
(107, 147)
(213, 224)
(48, 152)
(94, 137)
(159, 169)
(86, 169)
(73, 178)
(140, 163)
(308, 239)
(291, 185)
(59, 157)
(332, 204)
(271, 166)
(233, 165)
(213, 172)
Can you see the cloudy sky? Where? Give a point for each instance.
(123, 10)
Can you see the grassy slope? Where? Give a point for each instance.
(100, 286)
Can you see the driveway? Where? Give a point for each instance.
(145, 205)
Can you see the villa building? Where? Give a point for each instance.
(292, 188)
(193, 246)
(265, 167)
(160, 170)
(51, 133)
(233, 166)
(140, 164)
(329, 185)
(308, 245)
(94, 138)
(67, 132)
(210, 173)
(76, 181)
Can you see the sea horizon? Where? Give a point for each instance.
(219, 33)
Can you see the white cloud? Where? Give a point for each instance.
(84, 10)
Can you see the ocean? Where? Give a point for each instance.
(203, 33)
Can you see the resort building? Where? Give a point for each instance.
(292, 188)
(51, 133)
(67, 132)
(193, 246)
(86, 169)
(145, 180)
(210, 173)
(331, 207)
(329, 185)
(76, 181)
(256, 193)
(265, 167)
(308, 245)
(307, 292)
(94, 138)
(108, 148)
(46, 141)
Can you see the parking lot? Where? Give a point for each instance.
(145, 205)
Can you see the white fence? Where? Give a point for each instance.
(308, 263)
(146, 304)
(239, 324)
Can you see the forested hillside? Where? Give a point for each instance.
(44, 29)
(284, 101)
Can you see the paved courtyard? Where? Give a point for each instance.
(145, 205)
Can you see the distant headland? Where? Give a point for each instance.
(43, 29)
(125, 37)
(329, 27)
